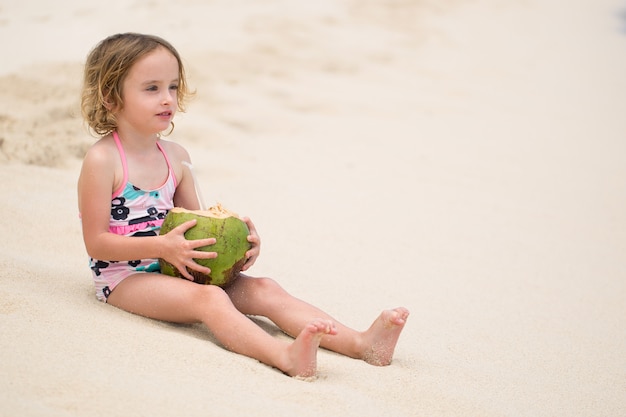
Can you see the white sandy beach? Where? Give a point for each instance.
(464, 159)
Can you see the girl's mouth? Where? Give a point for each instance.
(165, 116)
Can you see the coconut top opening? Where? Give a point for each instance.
(217, 211)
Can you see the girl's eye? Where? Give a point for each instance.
(152, 88)
(173, 87)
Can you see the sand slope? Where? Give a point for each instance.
(461, 158)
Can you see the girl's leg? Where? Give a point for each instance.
(177, 300)
(264, 297)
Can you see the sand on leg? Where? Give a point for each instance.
(176, 300)
(265, 297)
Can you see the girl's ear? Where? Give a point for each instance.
(112, 108)
(108, 103)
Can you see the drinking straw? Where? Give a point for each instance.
(195, 184)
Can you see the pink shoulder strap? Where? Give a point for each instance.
(169, 165)
(124, 166)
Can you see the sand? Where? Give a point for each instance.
(464, 159)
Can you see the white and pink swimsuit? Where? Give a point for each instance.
(134, 212)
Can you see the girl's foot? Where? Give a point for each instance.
(380, 339)
(302, 353)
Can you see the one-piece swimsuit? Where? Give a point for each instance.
(134, 212)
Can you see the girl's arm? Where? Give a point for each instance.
(95, 187)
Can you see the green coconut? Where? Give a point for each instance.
(230, 233)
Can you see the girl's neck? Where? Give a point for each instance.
(135, 141)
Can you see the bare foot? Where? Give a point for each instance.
(381, 338)
(302, 353)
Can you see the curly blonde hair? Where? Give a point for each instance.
(106, 68)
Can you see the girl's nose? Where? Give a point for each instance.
(169, 96)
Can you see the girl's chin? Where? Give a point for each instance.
(164, 127)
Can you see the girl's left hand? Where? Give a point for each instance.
(255, 242)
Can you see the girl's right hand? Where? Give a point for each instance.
(181, 252)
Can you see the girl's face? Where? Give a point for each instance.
(149, 93)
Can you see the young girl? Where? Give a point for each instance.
(131, 177)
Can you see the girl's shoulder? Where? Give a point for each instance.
(103, 151)
(176, 154)
(175, 151)
(101, 165)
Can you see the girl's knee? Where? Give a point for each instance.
(209, 294)
(267, 287)
(258, 291)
